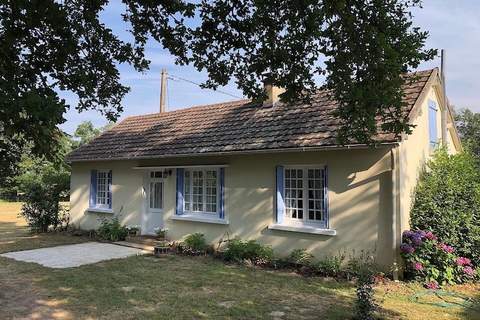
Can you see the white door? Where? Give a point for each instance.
(153, 213)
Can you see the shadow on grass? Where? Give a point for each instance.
(472, 311)
(20, 298)
(176, 287)
(16, 238)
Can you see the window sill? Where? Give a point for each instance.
(99, 210)
(303, 229)
(196, 218)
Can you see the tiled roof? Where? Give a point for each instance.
(238, 126)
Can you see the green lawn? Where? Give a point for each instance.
(177, 287)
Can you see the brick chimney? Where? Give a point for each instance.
(272, 92)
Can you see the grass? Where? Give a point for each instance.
(176, 287)
(14, 234)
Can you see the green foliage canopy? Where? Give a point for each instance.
(468, 126)
(86, 132)
(47, 46)
(359, 47)
(30, 165)
(447, 202)
(45, 186)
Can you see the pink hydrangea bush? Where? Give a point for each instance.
(433, 262)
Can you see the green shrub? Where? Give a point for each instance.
(241, 251)
(44, 189)
(112, 230)
(357, 263)
(329, 266)
(365, 306)
(447, 202)
(300, 257)
(433, 262)
(194, 243)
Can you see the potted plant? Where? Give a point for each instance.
(161, 232)
(133, 230)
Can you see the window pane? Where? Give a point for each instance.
(102, 188)
(211, 191)
(150, 195)
(197, 190)
(187, 193)
(156, 195)
(200, 190)
(294, 193)
(310, 173)
(316, 210)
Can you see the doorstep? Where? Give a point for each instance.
(144, 247)
(146, 240)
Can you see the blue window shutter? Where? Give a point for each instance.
(280, 203)
(222, 193)
(93, 188)
(109, 195)
(432, 122)
(325, 196)
(180, 177)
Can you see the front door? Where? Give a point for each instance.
(153, 213)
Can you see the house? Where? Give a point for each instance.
(272, 172)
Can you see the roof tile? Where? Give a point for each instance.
(229, 127)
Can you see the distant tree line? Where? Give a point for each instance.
(33, 168)
(468, 126)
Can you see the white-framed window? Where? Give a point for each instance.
(155, 190)
(201, 190)
(305, 195)
(101, 189)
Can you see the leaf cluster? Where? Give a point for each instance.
(355, 48)
(468, 126)
(447, 201)
(45, 186)
(358, 49)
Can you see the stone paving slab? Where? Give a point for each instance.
(74, 255)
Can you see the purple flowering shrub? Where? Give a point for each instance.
(429, 260)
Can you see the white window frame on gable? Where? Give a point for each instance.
(101, 190)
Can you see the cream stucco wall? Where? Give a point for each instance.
(415, 149)
(360, 200)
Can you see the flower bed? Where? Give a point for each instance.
(433, 262)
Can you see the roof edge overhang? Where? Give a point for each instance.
(181, 166)
(435, 82)
(388, 144)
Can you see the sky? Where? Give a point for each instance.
(453, 26)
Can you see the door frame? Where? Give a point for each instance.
(146, 202)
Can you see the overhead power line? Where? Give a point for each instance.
(172, 77)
